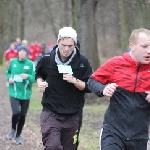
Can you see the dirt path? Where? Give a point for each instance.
(30, 139)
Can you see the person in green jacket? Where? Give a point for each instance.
(20, 75)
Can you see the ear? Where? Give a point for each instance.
(131, 46)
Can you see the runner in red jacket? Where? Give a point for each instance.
(126, 80)
(10, 53)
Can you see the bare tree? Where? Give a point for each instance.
(51, 17)
(87, 30)
(64, 15)
(12, 20)
(74, 14)
(141, 16)
(132, 14)
(124, 24)
(67, 13)
(22, 20)
(13, 17)
(3, 8)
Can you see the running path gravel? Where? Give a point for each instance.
(31, 140)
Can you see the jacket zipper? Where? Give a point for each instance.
(133, 104)
(135, 83)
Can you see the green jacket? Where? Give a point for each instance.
(21, 88)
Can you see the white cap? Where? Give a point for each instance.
(67, 32)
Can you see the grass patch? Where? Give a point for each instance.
(35, 103)
(35, 108)
(92, 120)
(95, 108)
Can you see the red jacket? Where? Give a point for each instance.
(32, 53)
(128, 112)
(125, 72)
(9, 54)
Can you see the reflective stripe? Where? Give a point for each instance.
(25, 89)
(15, 89)
(100, 138)
(147, 144)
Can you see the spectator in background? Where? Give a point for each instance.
(32, 51)
(20, 74)
(6, 47)
(50, 46)
(126, 80)
(13, 41)
(10, 53)
(38, 51)
(25, 43)
(62, 77)
(18, 43)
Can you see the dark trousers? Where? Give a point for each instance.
(19, 111)
(111, 141)
(59, 132)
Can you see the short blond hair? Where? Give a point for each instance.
(135, 34)
(66, 38)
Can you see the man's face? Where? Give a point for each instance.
(141, 50)
(12, 46)
(66, 47)
(22, 54)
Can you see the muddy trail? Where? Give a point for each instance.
(31, 141)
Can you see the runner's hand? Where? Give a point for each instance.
(110, 89)
(148, 96)
(11, 80)
(42, 86)
(69, 78)
(24, 76)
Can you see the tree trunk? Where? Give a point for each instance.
(86, 31)
(74, 14)
(3, 8)
(67, 13)
(51, 17)
(13, 12)
(124, 30)
(22, 20)
(141, 16)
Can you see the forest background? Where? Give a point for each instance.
(103, 26)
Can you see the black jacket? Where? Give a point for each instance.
(128, 111)
(60, 96)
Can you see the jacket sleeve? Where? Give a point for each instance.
(40, 71)
(96, 87)
(101, 77)
(31, 76)
(86, 74)
(8, 71)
